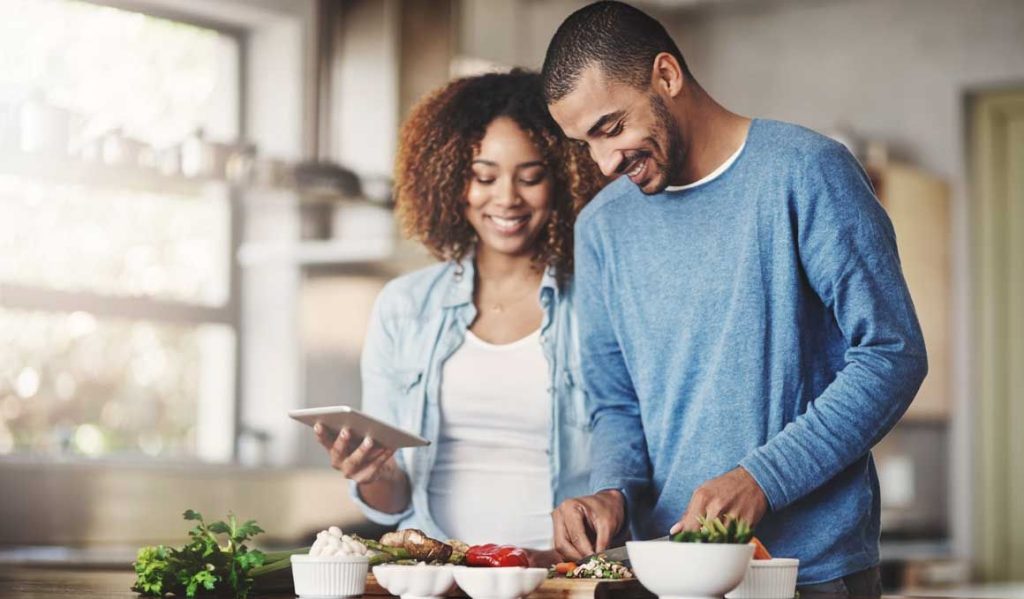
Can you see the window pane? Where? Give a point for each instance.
(157, 80)
(115, 242)
(71, 384)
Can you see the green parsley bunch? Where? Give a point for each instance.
(203, 566)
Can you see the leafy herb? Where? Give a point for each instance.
(714, 530)
(203, 565)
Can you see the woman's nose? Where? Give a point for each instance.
(506, 192)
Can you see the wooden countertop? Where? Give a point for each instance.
(40, 583)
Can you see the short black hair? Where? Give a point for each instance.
(620, 39)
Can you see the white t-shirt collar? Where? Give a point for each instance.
(713, 174)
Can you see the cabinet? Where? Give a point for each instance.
(919, 205)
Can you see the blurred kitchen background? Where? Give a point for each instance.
(195, 218)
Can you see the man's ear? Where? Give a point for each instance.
(667, 75)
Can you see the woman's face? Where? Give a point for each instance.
(509, 199)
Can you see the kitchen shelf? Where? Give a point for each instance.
(312, 253)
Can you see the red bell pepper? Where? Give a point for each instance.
(497, 556)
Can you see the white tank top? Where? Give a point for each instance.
(491, 481)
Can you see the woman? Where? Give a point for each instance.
(478, 354)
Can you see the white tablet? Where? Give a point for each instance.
(361, 425)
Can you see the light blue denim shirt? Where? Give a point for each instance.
(418, 322)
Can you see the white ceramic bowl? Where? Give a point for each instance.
(499, 583)
(688, 570)
(415, 582)
(768, 579)
(329, 577)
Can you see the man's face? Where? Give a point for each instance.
(629, 131)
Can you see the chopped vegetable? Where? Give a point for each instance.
(760, 552)
(564, 567)
(600, 566)
(497, 556)
(714, 530)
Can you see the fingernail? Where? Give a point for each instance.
(344, 434)
(675, 528)
(367, 442)
(317, 428)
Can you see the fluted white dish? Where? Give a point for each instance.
(768, 579)
(415, 582)
(688, 570)
(329, 577)
(499, 583)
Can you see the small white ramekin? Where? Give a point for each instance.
(416, 582)
(329, 577)
(500, 582)
(768, 579)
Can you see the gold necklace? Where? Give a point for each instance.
(499, 307)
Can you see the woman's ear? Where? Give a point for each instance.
(667, 75)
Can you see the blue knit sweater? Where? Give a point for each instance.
(760, 319)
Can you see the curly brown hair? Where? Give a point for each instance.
(436, 149)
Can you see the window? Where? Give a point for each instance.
(117, 308)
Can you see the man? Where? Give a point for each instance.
(747, 333)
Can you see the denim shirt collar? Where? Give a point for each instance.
(463, 276)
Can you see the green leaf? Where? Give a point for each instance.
(247, 530)
(192, 515)
(218, 528)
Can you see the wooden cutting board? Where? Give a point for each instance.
(556, 588)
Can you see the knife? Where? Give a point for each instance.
(618, 554)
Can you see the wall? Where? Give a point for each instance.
(894, 71)
(364, 86)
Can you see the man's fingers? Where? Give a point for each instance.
(563, 538)
(688, 521)
(713, 510)
(604, 535)
(576, 530)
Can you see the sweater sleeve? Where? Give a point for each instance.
(619, 450)
(848, 251)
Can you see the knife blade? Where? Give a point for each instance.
(619, 554)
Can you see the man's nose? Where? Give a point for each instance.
(607, 160)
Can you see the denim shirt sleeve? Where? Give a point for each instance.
(378, 387)
(619, 450)
(848, 251)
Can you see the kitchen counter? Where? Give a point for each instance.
(40, 583)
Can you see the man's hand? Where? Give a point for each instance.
(735, 493)
(603, 513)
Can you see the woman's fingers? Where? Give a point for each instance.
(361, 457)
(360, 462)
(323, 436)
(373, 469)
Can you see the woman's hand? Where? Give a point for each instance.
(364, 462)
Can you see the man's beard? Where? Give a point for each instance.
(666, 129)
